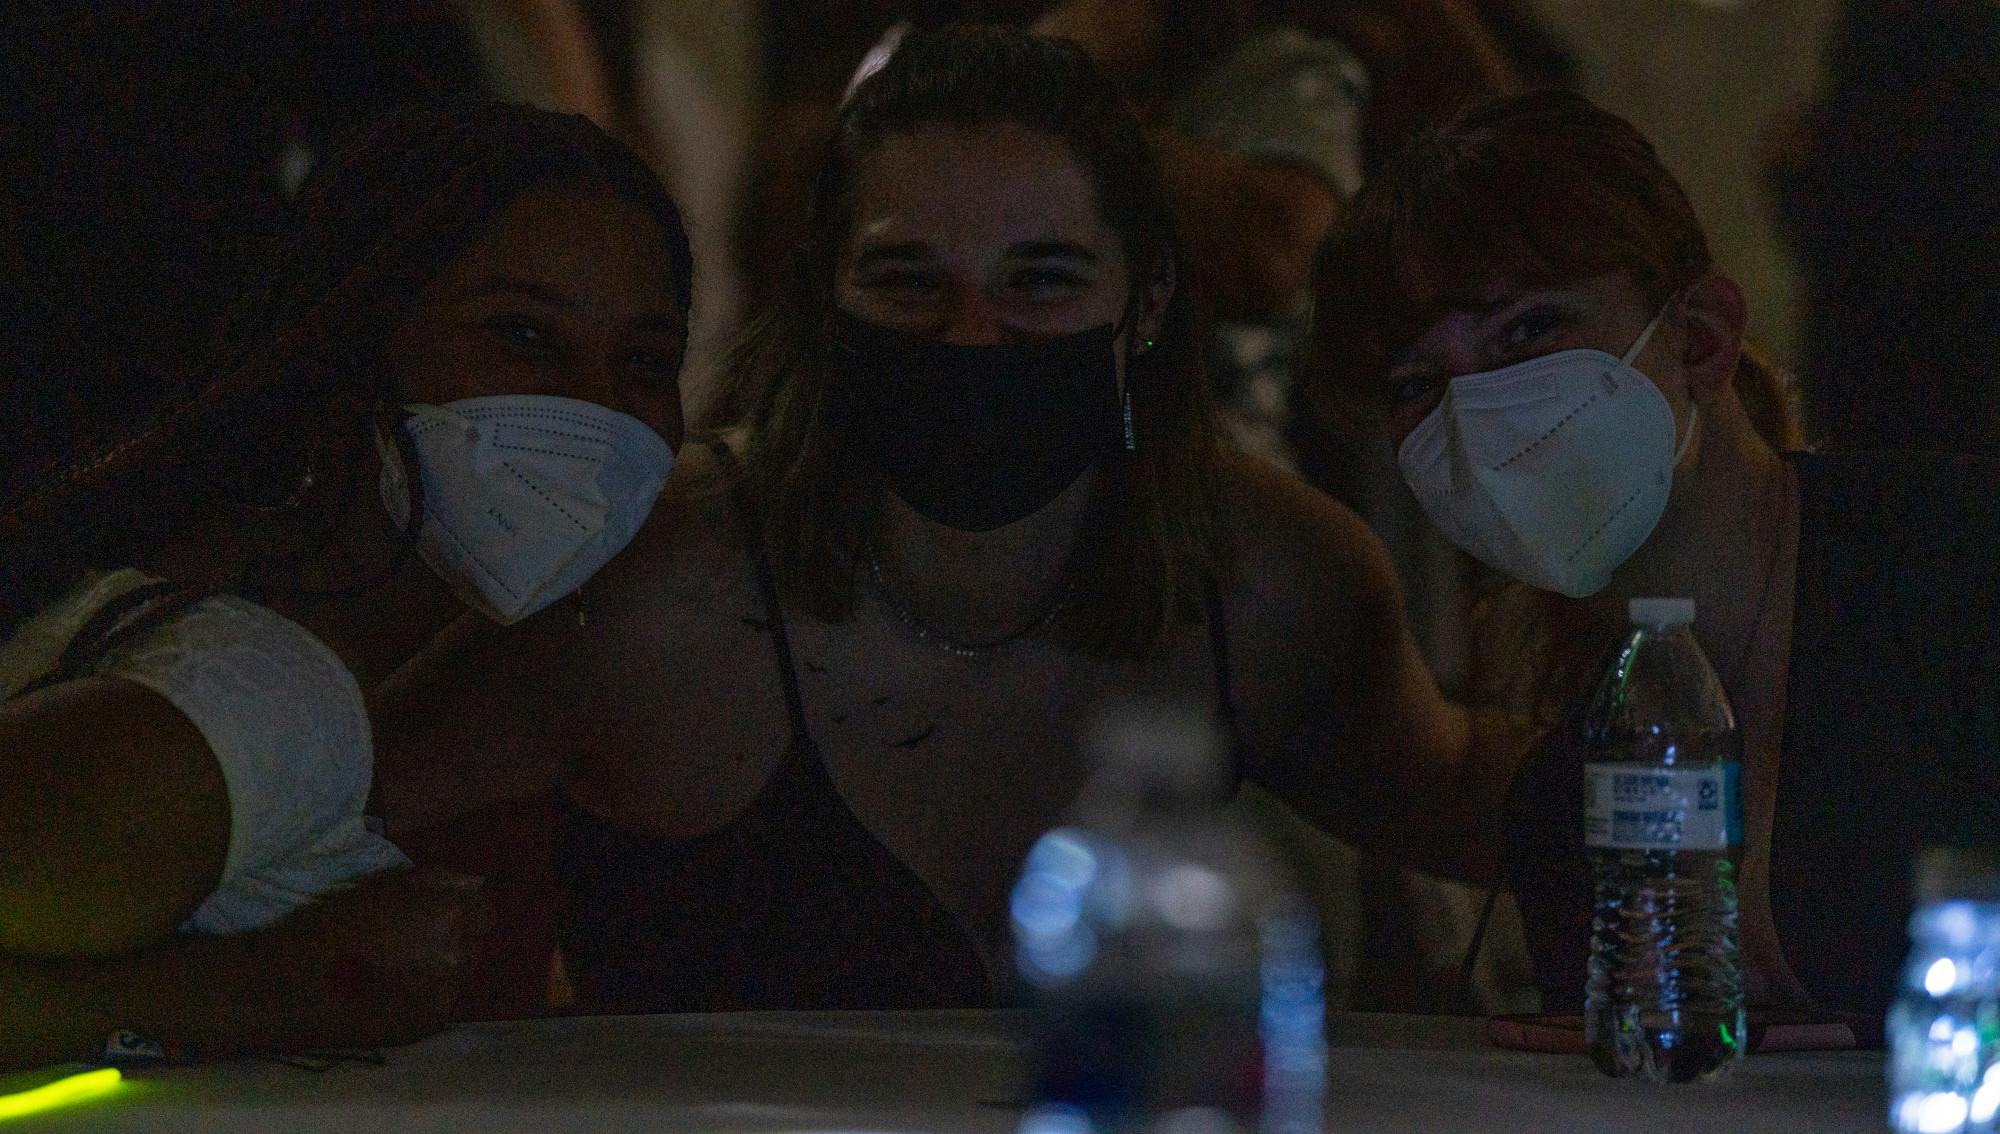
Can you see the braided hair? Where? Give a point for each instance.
(277, 419)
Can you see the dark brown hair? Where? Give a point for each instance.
(1142, 569)
(279, 415)
(1542, 189)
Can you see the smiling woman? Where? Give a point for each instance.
(1004, 205)
(466, 350)
(968, 240)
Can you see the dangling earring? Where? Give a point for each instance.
(300, 490)
(1131, 430)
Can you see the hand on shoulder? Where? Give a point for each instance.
(1299, 546)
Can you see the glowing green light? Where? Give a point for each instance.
(1728, 1037)
(62, 1092)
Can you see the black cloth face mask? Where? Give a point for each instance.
(978, 437)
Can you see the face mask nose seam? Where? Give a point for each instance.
(1550, 432)
(1604, 527)
(471, 556)
(515, 415)
(547, 452)
(547, 432)
(546, 498)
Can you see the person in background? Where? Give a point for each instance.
(1259, 126)
(830, 696)
(1528, 299)
(1884, 191)
(480, 315)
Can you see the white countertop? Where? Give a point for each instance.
(944, 1072)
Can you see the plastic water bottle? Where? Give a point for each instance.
(1663, 824)
(1944, 1030)
(1173, 975)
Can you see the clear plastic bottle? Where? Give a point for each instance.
(1944, 1030)
(1663, 824)
(1173, 975)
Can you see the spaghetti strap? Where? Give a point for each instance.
(767, 584)
(793, 903)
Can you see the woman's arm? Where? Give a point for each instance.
(114, 819)
(1352, 730)
(376, 965)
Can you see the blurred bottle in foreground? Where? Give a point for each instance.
(1662, 824)
(1172, 972)
(1944, 1030)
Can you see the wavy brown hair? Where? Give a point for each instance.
(1544, 189)
(1142, 567)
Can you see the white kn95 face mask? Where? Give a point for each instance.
(1553, 470)
(525, 496)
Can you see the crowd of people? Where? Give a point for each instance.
(415, 560)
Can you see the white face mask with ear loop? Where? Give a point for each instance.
(525, 496)
(1553, 470)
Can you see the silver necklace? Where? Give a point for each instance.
(956, 646)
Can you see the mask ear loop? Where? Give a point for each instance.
(413, 485)
(1645, 337)
(413, 522)
(1694, 409)
(1694, 423)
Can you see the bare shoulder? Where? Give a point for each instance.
(693, 526)
(687, 554)
(1294, 543)
(1343, 720)
(686, 561)
(629, 664)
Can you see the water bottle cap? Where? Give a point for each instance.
(1662, 611)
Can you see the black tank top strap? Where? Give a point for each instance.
(794, 904)
(767, 584)
(1225, 697)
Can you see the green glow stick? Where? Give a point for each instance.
(62, 1092)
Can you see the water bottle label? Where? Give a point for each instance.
(1633, 807)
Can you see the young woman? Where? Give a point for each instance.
(458, 387)
(832, 693)
(1528, 296)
